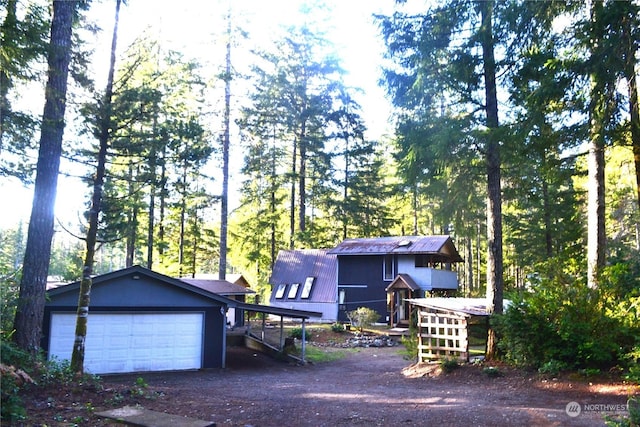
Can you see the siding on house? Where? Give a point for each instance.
(362, 284)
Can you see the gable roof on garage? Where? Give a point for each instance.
(220, 287)
(135, 274)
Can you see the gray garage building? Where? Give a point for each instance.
(141, 320)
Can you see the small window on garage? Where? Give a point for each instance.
(293, 290)
(306, 290)
(280, 291)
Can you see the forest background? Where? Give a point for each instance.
(314, 168)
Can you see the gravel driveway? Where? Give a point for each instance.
(370, 387)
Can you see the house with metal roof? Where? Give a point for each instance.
(306, 280)
(380, 273)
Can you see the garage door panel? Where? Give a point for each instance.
(132, 342)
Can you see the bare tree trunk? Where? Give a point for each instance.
(292, 206)
(469, 265)
(183, 213)
(302, 180)
(494, 190)
(163, 204)
(596, 234)
(224, 201)
(132, 222)
(77, 356)
(152, 192)
(30, 309)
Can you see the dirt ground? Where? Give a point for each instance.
(368, 387)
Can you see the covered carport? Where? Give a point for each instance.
(281, 313)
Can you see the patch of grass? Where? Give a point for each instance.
(323, 355)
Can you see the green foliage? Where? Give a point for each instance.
(362, 317)
(552, 367)
(492, 372)
(296, 333)
(449, 364)
(12, 380)
(633, 420)
(562, 323)
(410, 342)
(337, 327)
(632, 358)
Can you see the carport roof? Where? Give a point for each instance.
(279, 311)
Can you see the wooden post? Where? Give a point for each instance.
(304, 342)
(263, 326)
(281, 333)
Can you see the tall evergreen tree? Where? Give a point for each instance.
(30, 311)
(103, 133)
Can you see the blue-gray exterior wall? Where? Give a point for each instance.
(361, 276)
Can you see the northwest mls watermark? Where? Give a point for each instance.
(574, 409)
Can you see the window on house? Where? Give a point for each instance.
(306, 289)
(342, 298)
(389, 268)
(293, 290)
(280, 291)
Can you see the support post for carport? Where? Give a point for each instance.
(304, 342)
(263, 325)
(281, 333)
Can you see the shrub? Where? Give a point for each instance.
(562, 321)
(448, 364)
(362, 317)
(552, 367)
(15, 367)
(337, 327)
(297, 333)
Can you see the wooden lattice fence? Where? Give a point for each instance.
(442, 335)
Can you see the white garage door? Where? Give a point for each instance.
(132, 342)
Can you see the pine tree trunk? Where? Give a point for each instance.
(30, 309)
(596, 234)
(77, 355)
(224, 202)
(494, 191)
